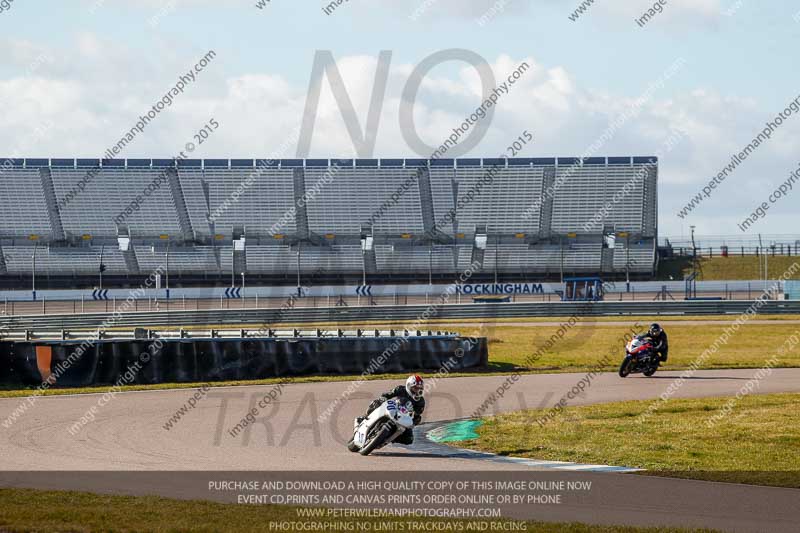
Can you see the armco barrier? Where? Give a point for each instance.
(386, 290)
(391, 313)
(220, 359)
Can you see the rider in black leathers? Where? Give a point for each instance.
(658, 337)
(412, 392)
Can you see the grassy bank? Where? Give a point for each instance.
(510, 349)
(23, 510)
(728, 268)
(756, 443)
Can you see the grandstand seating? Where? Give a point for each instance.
(338, 258)
(641, 254)
(270, 259)
(24, 211)
(577, 258)
(260, 205)
(499, 206)
(418, 259)
(589, 189)
(425, 217)
(79, 261)
(93, 210)
(346, 204)
(197, 259)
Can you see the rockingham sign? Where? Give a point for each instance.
(501, 289)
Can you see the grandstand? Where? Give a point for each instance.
(353, 220)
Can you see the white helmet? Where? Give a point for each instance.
(414, 387)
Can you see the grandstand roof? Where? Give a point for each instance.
(304, 163)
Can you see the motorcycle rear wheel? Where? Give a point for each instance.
(650, 371)
(376, 441)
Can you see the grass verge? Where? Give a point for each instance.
(756, 443)
(730, 268)
(25, 510)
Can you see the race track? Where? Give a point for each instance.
(128, 434)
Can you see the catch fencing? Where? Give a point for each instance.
(342, 315)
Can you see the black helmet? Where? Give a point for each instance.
(655, 330)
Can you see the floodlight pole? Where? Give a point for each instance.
(363, 267)
(766, 260)
(166, 261)
(628, 262)
(33, 270)
(100, 268)
(299, 246)
(766, 267)
(430, 264)
(363, 261)
(496, 253)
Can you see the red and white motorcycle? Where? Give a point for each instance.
(382, 426)
(639, 357)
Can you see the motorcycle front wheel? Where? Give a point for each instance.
(352, 446)
(376, 441)
(625, 367)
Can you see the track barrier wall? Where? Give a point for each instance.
(106, 362)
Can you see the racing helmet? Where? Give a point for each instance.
(655, 330)
(414, 387)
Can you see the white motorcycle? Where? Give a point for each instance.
(382, 426)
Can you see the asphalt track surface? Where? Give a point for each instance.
(128, 434)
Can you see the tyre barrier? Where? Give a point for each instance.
(76, 363)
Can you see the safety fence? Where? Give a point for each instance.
(342, 315)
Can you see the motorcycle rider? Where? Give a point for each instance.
(413, 392)
(658, 337)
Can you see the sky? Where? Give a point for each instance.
(76, 75)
